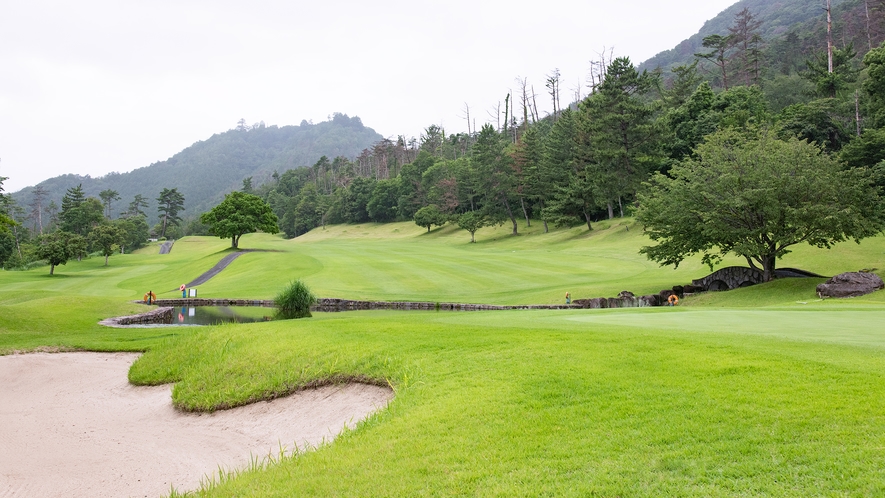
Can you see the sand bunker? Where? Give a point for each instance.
(71, 425)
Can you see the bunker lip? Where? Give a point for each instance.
(74, 426)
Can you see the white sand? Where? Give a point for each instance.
(72, 425)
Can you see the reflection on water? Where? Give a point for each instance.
(212, 315)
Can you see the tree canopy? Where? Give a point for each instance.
(58, 247)
(106, 238)
(755, 197)
(429, 216)
(169, 204)
(240, 213)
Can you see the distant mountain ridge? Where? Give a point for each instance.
(777, 18)
(209, 169)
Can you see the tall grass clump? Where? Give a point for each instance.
(295, 301)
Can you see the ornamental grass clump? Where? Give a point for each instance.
(294, 301)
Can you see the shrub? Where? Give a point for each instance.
(294, 301)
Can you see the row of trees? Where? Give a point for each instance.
(83, 225)
(592, 160)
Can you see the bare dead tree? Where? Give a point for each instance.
(829, 38)
(857, 111)
(576, 92)
(524, 85)
(467, 116)
(535, 115)
(38, 195)
(506, 112)
(552, 84)
(495, 113)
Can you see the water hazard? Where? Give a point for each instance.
(213, 315)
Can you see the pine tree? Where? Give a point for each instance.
(619, 127)
(169, 204)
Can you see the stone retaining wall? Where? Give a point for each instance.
(335, 305)
(190, 302)
(157, 316)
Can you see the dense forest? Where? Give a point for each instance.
(586, 161)
(790, 31)
(781, 69)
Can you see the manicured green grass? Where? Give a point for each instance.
(763, 391)
(646, 403)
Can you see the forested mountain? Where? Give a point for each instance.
(804, 19)
(208, 169)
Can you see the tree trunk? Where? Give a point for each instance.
(17, 245)
(106, 256)
(472, 238)
(234, 241)
(611, 211)
(587, 217)
(829, 40)
(51, 268)
(546, 230)
(510, 214)
(528, 222)
(768, 268)
(621, 206)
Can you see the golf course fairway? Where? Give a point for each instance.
(761, 391)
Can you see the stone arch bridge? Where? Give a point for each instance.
(734, 277)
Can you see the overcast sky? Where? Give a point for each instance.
(95, 86)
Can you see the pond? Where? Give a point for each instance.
(213, 315)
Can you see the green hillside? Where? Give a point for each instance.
(777, 19)
(208, 169)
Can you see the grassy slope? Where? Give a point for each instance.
(749, 392)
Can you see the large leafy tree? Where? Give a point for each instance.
(58, 247)
(240, 213)
(472, 221)
(135, 232)
(429, 216)
(756, 197)
(106, 238)
(874, 85)
(383, 203)
(169, 204)
(817, 121)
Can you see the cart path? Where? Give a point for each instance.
(221, 265)
(166, 248)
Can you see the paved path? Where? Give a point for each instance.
(166, 247)
(215, 270)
